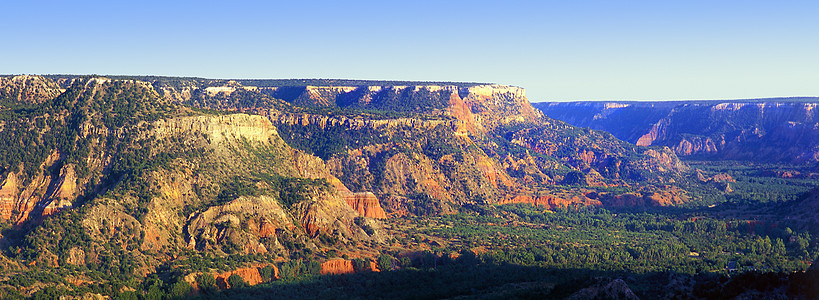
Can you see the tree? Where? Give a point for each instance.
(406, 262)
(127, 295)
(779, 248)
(235, 281)
(385, 262)
(153, 285)
(180, 289)
(575, 178)
(206, 282)
(154, 293)
(268, 273)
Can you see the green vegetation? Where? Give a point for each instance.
(206, 282)
(637, 242)
(236, 281)
(290, 190)
(139, 191)
(296, 269)
(518, 250)
(330, 140)
(758, 183)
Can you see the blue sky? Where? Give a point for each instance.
(557, 50)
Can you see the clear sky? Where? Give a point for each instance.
(557, 50)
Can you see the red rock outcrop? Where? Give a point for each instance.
(267, 229)
(251, 275)
(657, 132)
(343, 266)
(19, 203)
(262, 228)
(552, 202)
(495, 177)
(337, 266)
(667, 197)
(722, 177)
(366, 204)
(458, 109)
(697, 145)
(8, 196)
(373, 267)
(64, 192)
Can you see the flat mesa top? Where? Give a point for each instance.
(279, 82)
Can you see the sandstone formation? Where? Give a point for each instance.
(770, 130)
(251, 275)
(337, 266)
(390, 157)
(553, 202)
(166, 178)
(28, 89)
(142, 173)
(343, 266)
(722, 177)
(366, 204)
(41, 196)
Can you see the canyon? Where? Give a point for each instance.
(128, 177)
(782, 130)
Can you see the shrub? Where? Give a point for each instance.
(385, 262)
(206, 282)
(236, 282)
(180, 289)
(268, 273)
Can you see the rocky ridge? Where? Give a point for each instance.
(768, 130)
(28, 89)
(141, 175)
(169, 179)
(359, 143)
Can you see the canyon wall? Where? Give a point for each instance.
(766, 130)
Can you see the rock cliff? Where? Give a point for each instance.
(122, 174)
(27, 89)
(337, 266)
(366, 204)
(433, 148)
(24, 198)
(132, 177)
(765, 130)
(343, 266)
(251, 275)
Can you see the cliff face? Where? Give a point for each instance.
(767, 130)
(433, 148)
(479, 107)
(343, 266)
(250, 275)
(436, 148)
(366, 204)
(28, 89)
(337, 266)
(262, 220)
(123, 166)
